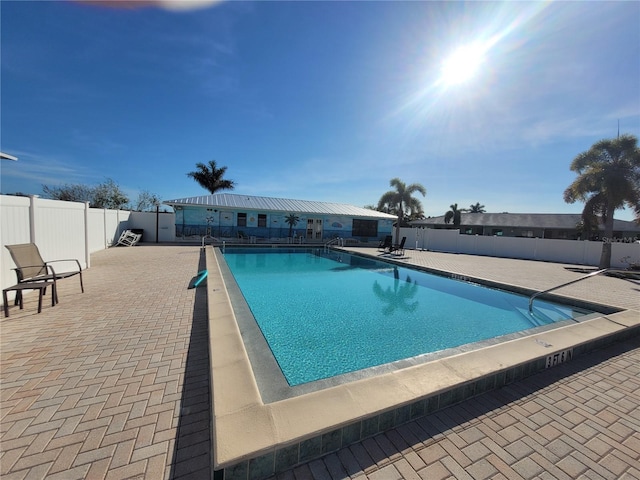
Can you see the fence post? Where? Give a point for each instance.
(32, 218)
(104, 228)
(87, 256)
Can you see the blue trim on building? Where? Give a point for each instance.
(224, 223)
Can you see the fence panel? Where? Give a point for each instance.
(60, 230)
(441, 240)
(544, 249)
(621, 250)
(468, 244)
(14, 229)
(116, 222)
(562, 251)
(514, 247)
(104, 227)
(96, 228)
(485, 245)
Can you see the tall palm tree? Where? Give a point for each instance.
(210, 177)
(477, 208)
(292, 220)
(454, 214)
(401, 201)
(415, 210)
(608, 179)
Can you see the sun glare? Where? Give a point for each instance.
(462, 64)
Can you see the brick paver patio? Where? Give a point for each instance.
(114, 383)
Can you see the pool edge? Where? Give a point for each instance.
(254, 440)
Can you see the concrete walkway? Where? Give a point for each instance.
(114, 383)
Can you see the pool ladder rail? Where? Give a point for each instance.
(592, 274)
(334, 241)
(213, 240)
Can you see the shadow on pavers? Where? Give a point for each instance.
(193, 448)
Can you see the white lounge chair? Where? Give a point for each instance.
(129, 239)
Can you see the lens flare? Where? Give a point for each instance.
(463, 64)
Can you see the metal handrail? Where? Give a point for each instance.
(592, 274)
(337, 240)
(215, 239)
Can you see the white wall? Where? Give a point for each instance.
(549, 250)
(15, 229)
(59, 229)
(69, 230)
(105, 226)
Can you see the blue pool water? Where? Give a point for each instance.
(325, 314)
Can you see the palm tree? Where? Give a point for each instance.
(608, 179)
(477, 208)
(415, 210)
(210, 177)
(401, 199)
(292, 220)
(454, 214)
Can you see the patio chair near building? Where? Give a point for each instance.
(398, 249)
(30, 268)
(386, 243)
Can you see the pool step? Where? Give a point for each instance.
(542, 314)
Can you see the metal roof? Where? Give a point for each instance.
(522, 220)
(249, 202)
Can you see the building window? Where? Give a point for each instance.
(242, 219)
(365, 228)
(262, 220)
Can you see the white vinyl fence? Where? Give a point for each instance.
(70, 230)
(549, 250)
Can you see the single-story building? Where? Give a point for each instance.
(226, 215)
(532, 225)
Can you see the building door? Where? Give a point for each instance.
(314, 229)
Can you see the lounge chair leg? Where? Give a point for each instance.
(40, 299)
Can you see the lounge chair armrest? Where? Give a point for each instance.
(64, 260)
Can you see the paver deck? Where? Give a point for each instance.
(114, 383)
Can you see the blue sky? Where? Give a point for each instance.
(317, 100)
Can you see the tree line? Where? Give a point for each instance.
(104, 195)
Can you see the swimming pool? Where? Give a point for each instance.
(327, 313)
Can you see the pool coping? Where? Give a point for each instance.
(253, 439)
